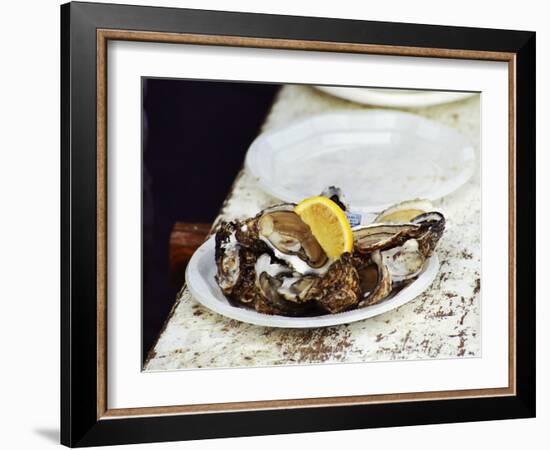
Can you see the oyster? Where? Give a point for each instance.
(288, 235)
(404, 246)
(278, 278)
(433, 226)
(292, 293)
(235, 266)
(419, 212)
(382, 236)
(375, 280)
(245, 290)
(228, 259)
(405, 262)
(404, 211)
(281, 231)
(272, 298)
(338, 290)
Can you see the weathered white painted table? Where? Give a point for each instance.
(443, 322)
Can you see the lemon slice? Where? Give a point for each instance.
(328, 224)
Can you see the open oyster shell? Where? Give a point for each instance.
(228, 260)
(405, 242)
(293, 293)
(235, 266)
(414, 219)
(404, 263)
(280, 231)
(404, 212)
(375, 280)
(383, 236)
(277, 278)
(433, 225)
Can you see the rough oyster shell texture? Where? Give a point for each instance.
(272, 262)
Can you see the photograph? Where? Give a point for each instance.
(276, 224)
(294, 224)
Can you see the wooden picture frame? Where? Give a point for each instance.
(85, 417)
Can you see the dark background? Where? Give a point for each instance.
(195, 137)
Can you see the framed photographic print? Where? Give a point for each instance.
(277, 224)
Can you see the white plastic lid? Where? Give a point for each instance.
(377, 157)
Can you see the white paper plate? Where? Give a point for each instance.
(396, 98)
(200, 281)
(377, 157)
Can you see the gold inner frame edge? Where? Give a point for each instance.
(104, 35)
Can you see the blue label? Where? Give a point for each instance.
(354, 219)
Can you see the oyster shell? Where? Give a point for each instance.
(270, 289)
(382, 236)
(235, 266)
(282, 291)
(283, 233)
(405, 262)
(288, 234)
(433, 226)
(292, 293)
(245, 290)
(228, 259)
(374, 278)
(338, 290)
(403, 246)
(404, 212)
(404, 221)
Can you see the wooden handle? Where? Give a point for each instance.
(184, 241)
